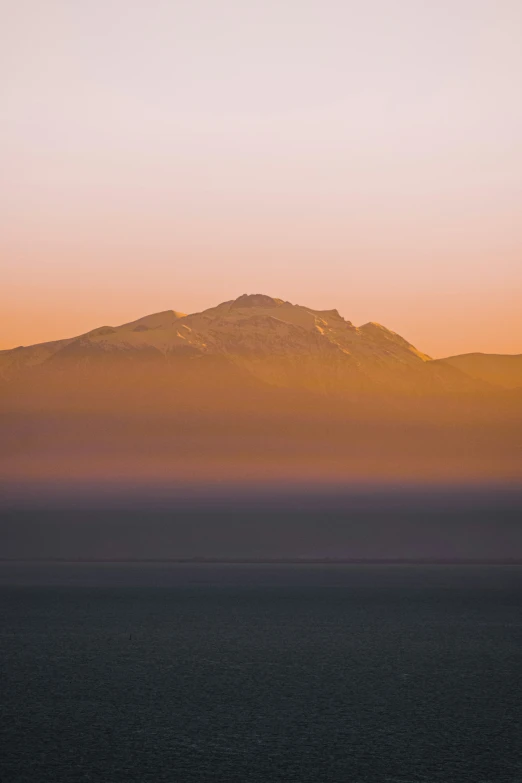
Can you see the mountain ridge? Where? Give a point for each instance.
(503, 370)
(277, 343)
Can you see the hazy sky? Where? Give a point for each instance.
(364, 155)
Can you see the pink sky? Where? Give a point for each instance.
(360, 155)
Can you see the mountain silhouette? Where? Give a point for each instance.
(271, 341)
(500, 370)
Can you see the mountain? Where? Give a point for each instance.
(253, 387)
(17, 359)
(266, 340)
(504, 371)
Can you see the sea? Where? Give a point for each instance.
(260, 673)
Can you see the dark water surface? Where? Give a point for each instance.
(162, 672)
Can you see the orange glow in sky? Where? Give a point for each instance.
(365, 156)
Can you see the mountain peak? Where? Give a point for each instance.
(256, 300)
(375, 325)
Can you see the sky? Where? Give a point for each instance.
(364, 155)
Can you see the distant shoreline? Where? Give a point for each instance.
(267, 561)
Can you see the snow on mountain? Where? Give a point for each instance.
(276, 342)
